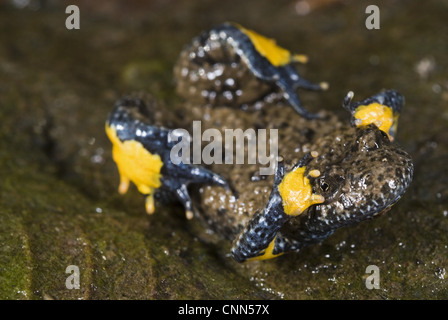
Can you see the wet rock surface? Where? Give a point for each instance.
(59, 204)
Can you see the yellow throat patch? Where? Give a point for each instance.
(296, 192)
(136, 164)
(269, 49)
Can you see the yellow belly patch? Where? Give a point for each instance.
(296, 192)
(136, 164)
(378, 114)
(269, 49)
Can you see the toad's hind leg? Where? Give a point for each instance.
(291, 195)
(280, 245)
(289, 81)
(257, 239)
(180, 176)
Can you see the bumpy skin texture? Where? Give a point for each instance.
(355, 167)
(222, 67)
(363, 179)
(362, 173)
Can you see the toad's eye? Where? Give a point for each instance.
(324, 186)
(329, 186)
